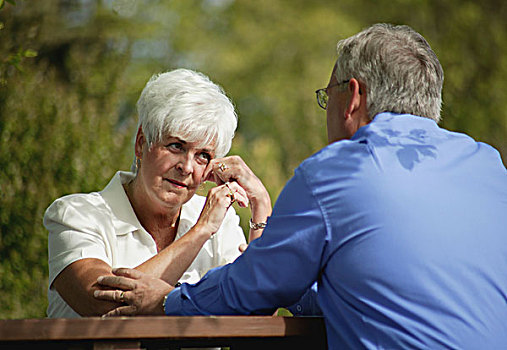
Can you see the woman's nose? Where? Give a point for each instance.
(185, 164)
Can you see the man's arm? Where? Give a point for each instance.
(308, 304)
(275, 270)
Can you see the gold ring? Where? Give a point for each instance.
(230, 194)
(122, 294)
(222, 167)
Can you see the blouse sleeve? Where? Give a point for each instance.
(77, 230)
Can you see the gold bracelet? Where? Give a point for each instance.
(257, 225)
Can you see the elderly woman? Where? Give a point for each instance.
(151, 219)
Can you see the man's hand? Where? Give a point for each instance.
(142, 293)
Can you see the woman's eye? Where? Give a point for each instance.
(175, 146)
(205, 156)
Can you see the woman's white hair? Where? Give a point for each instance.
(187, 105)
(400, 71)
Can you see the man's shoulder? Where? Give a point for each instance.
(339, 153)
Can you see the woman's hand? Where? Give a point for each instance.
(171, 262)
(234, 170)
(218, 201)
(142, 293)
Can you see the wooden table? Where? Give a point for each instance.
(170, 332)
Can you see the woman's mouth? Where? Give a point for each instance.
(177, 183)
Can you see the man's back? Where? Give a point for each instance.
(416, 249)
(403, 226)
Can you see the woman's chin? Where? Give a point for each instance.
(177, 198)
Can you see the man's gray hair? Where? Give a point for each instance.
(400, 71)
(187, 105)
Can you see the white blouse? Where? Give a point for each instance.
(102, 225)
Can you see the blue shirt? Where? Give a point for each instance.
(404, 228)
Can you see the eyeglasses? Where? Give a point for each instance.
(322, 96)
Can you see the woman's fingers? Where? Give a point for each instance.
(238, 193)
(241, 200)
(218, 201)
(226, 194)
(229, 169)
(233, 169)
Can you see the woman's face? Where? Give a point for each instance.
(172, 170)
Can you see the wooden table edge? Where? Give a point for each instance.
(176, 327)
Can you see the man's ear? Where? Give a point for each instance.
(355, 100)
(140, 141)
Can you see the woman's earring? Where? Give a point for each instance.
(138, 164)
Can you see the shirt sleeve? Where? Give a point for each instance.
(308, 304)
(276, 269)
(74, 234)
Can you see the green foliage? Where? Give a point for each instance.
(59, 133)
(2, 3)
(71, 71)
(12, 59)
(470, 39)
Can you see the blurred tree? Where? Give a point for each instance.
(59, 133)
(12, 59)
(470, 40)
(67, 119)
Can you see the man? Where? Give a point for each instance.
(401, 223)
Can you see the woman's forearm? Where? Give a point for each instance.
(261, 210)
(170, 263)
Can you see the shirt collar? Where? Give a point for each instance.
(189, 215)
(393, 125)
(124, 218)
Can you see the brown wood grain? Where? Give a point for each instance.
(173, 327)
